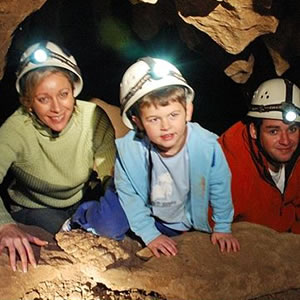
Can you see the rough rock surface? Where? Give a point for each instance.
(88, 267)
(229, 24)
(232, 24)
(240, 70)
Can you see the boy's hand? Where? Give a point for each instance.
(226, 241)
(163, 244)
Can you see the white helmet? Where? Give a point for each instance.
(276, 99)
(48, 54)
(144, 76)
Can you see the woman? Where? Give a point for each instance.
(50, 145)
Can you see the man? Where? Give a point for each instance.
(263, 155)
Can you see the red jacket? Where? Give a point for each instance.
(256, 198)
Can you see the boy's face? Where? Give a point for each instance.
(165, 126)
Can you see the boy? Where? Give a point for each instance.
(169, 170)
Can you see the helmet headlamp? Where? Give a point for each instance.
(42, 54)
(39, 56)
(157, 71)
(289, 110)
(145, 76)
(47, 54)
(277, 99)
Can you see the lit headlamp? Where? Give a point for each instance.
(289, 110)
(157, 70)
(42, 54)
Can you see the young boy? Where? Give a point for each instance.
(168, 170)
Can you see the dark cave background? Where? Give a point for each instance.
(100, 37)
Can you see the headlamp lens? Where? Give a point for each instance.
(289, 112)
(40, 55)
(290, 116)
(160, 70)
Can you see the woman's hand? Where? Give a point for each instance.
(226, 241)
(16, 240)
(163, 244)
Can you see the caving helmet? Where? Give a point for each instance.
(48, 54)
(147, 75)
(276, 99)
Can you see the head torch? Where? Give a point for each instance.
(42, 54)
(157, 71)
(289, 110)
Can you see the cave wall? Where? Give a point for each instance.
(223, 48)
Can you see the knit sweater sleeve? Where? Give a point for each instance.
(104, 145)
(10, 146)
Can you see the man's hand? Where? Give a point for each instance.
(16, 240)
(163, 244)
(226, 241)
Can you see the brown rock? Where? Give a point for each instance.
(240, 70)
(12, 13)
(269, 262)
(232, 24)
(281, 65)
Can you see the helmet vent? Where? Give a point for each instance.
(265, 95)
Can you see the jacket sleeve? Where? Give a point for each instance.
(138, 213)
(220, 192)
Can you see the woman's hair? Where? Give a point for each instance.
(162, 97)
(30, 81)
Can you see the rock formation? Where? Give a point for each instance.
(229, 24)
(82, 266)
(232, 25)
(12, 13)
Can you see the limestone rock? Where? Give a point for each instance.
(267, 263)
(87, 266)
(232, 24)
(101, 251)
(281, 65)
(240, 70)
(12, 13)
(284, 44)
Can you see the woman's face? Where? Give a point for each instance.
(53, 101)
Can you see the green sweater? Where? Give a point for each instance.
(53, 171)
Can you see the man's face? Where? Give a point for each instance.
(278, 139)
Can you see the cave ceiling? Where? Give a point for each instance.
(231, 34)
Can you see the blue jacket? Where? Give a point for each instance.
(210, 181)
